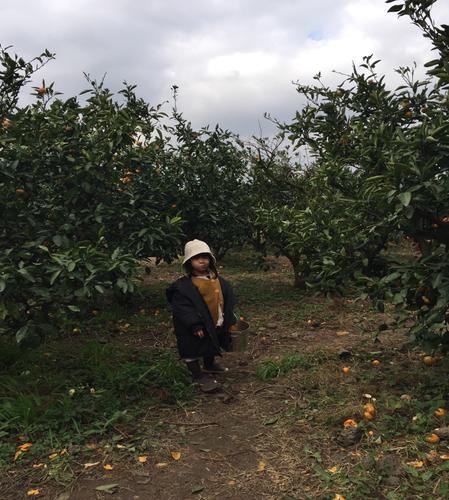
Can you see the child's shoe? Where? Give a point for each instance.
(208, 384)
(214, 368)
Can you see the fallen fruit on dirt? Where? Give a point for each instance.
(368, 415)
(342, 333)
(142, 459)
(176, 455)
(33, 492)
(428, 360)
(350, 423)
(440, 412)
(346, 370)
(369, 407)
(433, 438)
(375, 362)
(261, 466)
(416, 464)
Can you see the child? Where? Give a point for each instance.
(202, 304)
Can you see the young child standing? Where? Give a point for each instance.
(202, 304)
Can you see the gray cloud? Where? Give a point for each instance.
(232, 60)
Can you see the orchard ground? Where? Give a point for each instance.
(110, 392)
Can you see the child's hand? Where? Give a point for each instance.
(199, 333)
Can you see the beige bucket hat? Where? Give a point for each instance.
(195, 247)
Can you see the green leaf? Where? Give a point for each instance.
(108, 488)
(74, 308)
(197, 489)
(54, 276)
(26, 275)
(405, 198)
(271, 421)
(395, 8)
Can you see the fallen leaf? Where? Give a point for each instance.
(39, 466)
(176, 455)
(333, 469)
(206, 450)
(342, 333)
(417, 464)
(121, 446)
(90, 464)
(25, 446)
(231, 482)
(53, 456)
(142, 459)
(107, 467)
(271, 421)
(161, 465)
(63, 452)
(444, 457)
(33, 492)
(17, 455)
(91, 446)
(197, 489)
(261, 466)
(107, 488)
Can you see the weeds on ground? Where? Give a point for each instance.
(60, 398)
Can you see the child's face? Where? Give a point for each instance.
(200, 263)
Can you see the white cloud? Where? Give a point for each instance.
(232, 60)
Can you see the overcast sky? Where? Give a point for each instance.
(233, 60)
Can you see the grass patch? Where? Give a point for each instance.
(60, 397)
(274, 368)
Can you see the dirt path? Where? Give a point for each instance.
(242, 443)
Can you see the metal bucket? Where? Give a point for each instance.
(239, 336)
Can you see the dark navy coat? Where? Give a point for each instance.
(190, 313)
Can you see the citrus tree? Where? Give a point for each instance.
(80, 196)
(379, 175)
(206, 177)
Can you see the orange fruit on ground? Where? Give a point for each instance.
(368, 415)
(350, 422)
(346, 370)
(369, 407)
(428, 360)
(375, 362)
(440, 412)
(433, 438)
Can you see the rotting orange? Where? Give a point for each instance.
(440, 412)
(346, 370)
(433, 438)
(369, 407)
(368, 415)
(428, 360)
(350, 422)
